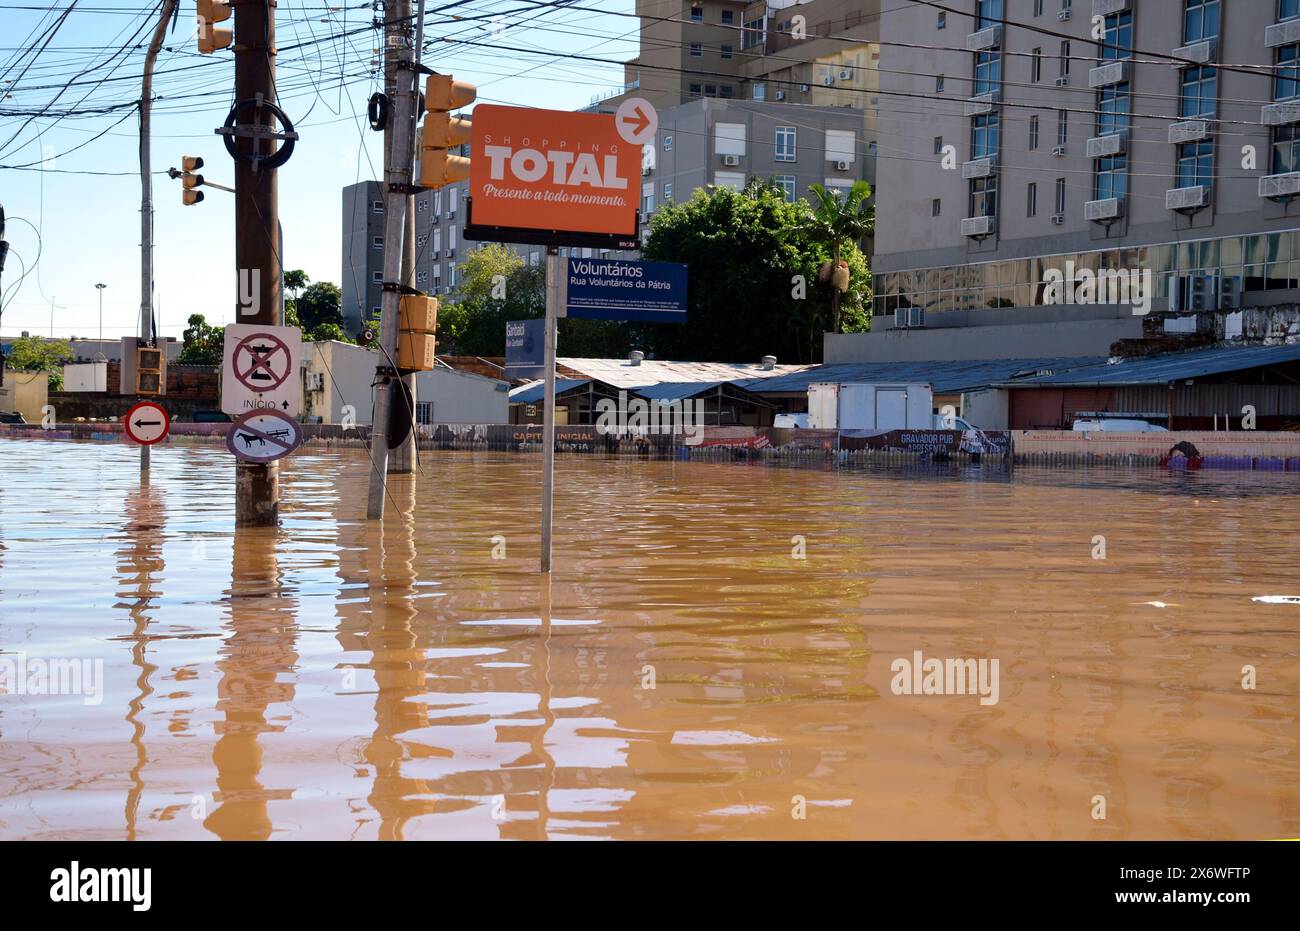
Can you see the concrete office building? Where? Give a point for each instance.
(1171, 145)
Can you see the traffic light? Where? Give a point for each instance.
(190, 181)
(213, 37)
(442, 131)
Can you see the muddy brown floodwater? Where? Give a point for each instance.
(683, 674)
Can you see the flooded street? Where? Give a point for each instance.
(711, 658)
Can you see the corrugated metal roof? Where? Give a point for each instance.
(1177, 366)
(535, 391)
(623, 374)
(675, 390)
(944, 377)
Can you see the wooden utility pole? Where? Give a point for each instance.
(146, 196)
(257, 223)
(397, 185)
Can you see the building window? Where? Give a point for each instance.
(1286, 85)
(988, 72)
(1200, 21)
(453, 194)
(697, 14)
(1036, 65)
(377, 242)
(668, 193)
(1033, 133)
(726, 51)
(1195, 163)
(377, 277)
(1060, 196)
(786, 184)
(1200, 88)
(697, 50)
(1117, 39)
(938, 84)
(668, 143)
(728, 18)
(377, 206)
(1064, 70)
(984, 197)
(760, 91)
(785, 143)
(936, 207)
(1112, 109)
(1286, 149)
(710, 90)
(647, 198)
(984, 132)
(941, 22)
(1112, 178)
(695, 89)
(1288, 9)
(938, 145)
(726, 90)
(437, 204)
(375, 311)
(987, 13)
(1031, 200)
(1038, 7)
(424, 412)
(1062, 126)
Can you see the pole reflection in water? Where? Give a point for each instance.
(258, 661)
(140, 567)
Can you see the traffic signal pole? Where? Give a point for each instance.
(402, 458)
(146, 192)
(397, 185)
(257, 225)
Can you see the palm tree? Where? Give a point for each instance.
(838, 221)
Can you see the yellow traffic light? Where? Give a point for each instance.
(190, 198)
(213, 37)
(191, 163)
(417, 320)
(442, 131)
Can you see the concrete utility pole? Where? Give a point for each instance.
(397, 184)
(257, 223)
(402, 458)
(146, 195)
(553, 271)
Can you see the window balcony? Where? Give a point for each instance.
(1201, 53)
(1187, 198)
(1189, 131)
(1107, 7)
(1280, 187)
(983, 103)
(978, 168)
(1109, 144)
(1282, 33)
(1280, 114)
(979, 227)
(1114, 72)
(1105, 210)
(984, 39)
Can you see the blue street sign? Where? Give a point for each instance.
(614, 289)
(525, 348)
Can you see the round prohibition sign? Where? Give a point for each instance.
(261, 374)
(263, 435)
(146, 423)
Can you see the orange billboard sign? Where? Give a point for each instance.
(552, 173)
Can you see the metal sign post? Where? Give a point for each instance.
(553, 272)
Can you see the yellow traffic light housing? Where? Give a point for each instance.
(213, 37)
(417, 319)
(190, 181)
(191, 163)
(149, 369)
(442, 131)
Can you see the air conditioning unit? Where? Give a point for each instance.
(804, 88)
(1229, 292)
(984, 39)
(845, 74)
(1064, 16)
(842, 165)
(908, 318)
(1187, 198)
(829, 80)
(1063, 81)
(1103, 210)
(315, 381)
(1280, 187)
(977, 168)
(1113, 72)
(1107, 145)
(1202, 53)
(1280, 114)
(1058, 219)
(731, 161)
(1189, 131)
(1058, 150)
(646, 169)
(779, 95)
(981, 103)
(1284, 33)
(978, 227)
(434, 254)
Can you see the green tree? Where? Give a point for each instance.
(496, 285)
(34, 354)
(754, 287)
(319, 303)
(201, 344)
(840, 223)
(294, 281)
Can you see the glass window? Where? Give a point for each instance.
(786, 184)
(1060, 195)
(1286, 84)
(941, 22)
(1117, 39)
(1195, 163)
(1038, 7)
(760, 91)
(1200, 21)
(668, 193)
(936, 207)
(1200, 88)
(1112, 109)
(668, 143)
(1286, 149)
(938, 84)
(1065, 59)
(697, 50)
(988, 72)
(695, 89)
(984, 197)
(728, 18)
(697, 14)
(1062, 126)
(984, 131)
(726, 51)
(785, 143)
(1112, 177)
(1033, 132)
(1036, 65)
(938, 145)
(726, 90)
(987, 13)
(1031, 200)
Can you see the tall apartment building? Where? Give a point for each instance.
(1025, 136)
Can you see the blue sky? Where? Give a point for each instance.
(90, 224)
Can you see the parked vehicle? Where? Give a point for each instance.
(857, 406)
(795, 421)
(1117, 425)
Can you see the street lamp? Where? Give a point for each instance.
(100, 288)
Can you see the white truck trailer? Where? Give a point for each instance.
(858, 406)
